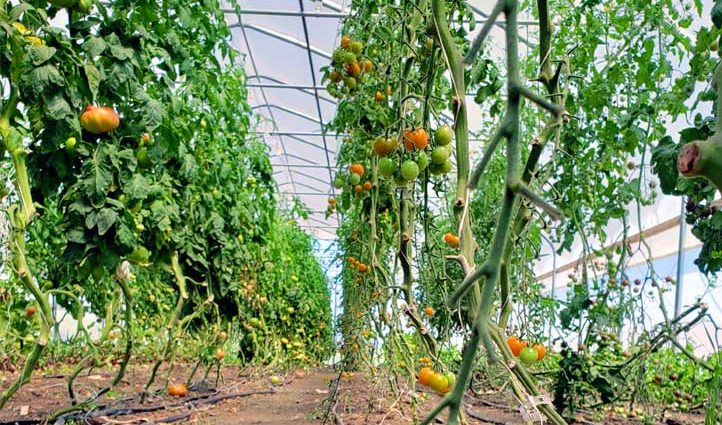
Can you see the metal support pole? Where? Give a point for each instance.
(680, 259)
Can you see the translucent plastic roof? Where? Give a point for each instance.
(285, 43)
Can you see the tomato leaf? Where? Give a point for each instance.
(41, 54)
(92, 75)
(106, 220)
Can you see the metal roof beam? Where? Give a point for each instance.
(305, 166)
(301, 173)
(289, 110)
(309, 14)
(323, 148)
(290, 155)
(284, 85)
(283, 37)
(299, 184)
(301, 134)
(342, 15)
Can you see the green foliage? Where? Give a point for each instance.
(182, 190)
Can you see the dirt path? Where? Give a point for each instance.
(248, 397)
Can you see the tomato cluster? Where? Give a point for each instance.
(348, 67)
(527, 355)
(440, 382)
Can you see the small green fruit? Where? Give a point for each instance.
(354, 179)
(440, 154)
(387, 167)
(443, 135)
(528, 356)
(70, 144)
(409, 170)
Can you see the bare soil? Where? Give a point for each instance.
(247, 396)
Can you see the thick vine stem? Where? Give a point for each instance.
(173, 323)
(703, 158)
(491, 270)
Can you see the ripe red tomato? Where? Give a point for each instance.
(99, 119)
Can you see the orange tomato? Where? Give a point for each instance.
(429, 311)
(408, 140)
(420, 139)
(367, 65)
(363, 268)
(177, 390)
(358, 188)
(99, 119)
(357, 169)
(425, 360)
(30, 311)
(516, 345)
(332, 201)
(220, 355)
(367, 185)
(379, 97)
(451, 239)
(345, 41)
(541, 352)
(425, 375)
(353, 69)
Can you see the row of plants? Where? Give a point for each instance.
(139, 193)
(574, 125)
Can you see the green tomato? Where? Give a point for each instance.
(452, 380)
(354, 179)
(143, 158)
(338, 181)
(446, 166)
(528, 356)
(409, 170)
(348, 57)
(387, 167)
(440, 154)
(84, 6)
(338, 56)
(422, 160)
(356, 47)
(70, 144)
(350, 83)
(443, 135)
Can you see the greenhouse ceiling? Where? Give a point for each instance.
(285, 43)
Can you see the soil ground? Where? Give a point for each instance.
(248, 397)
